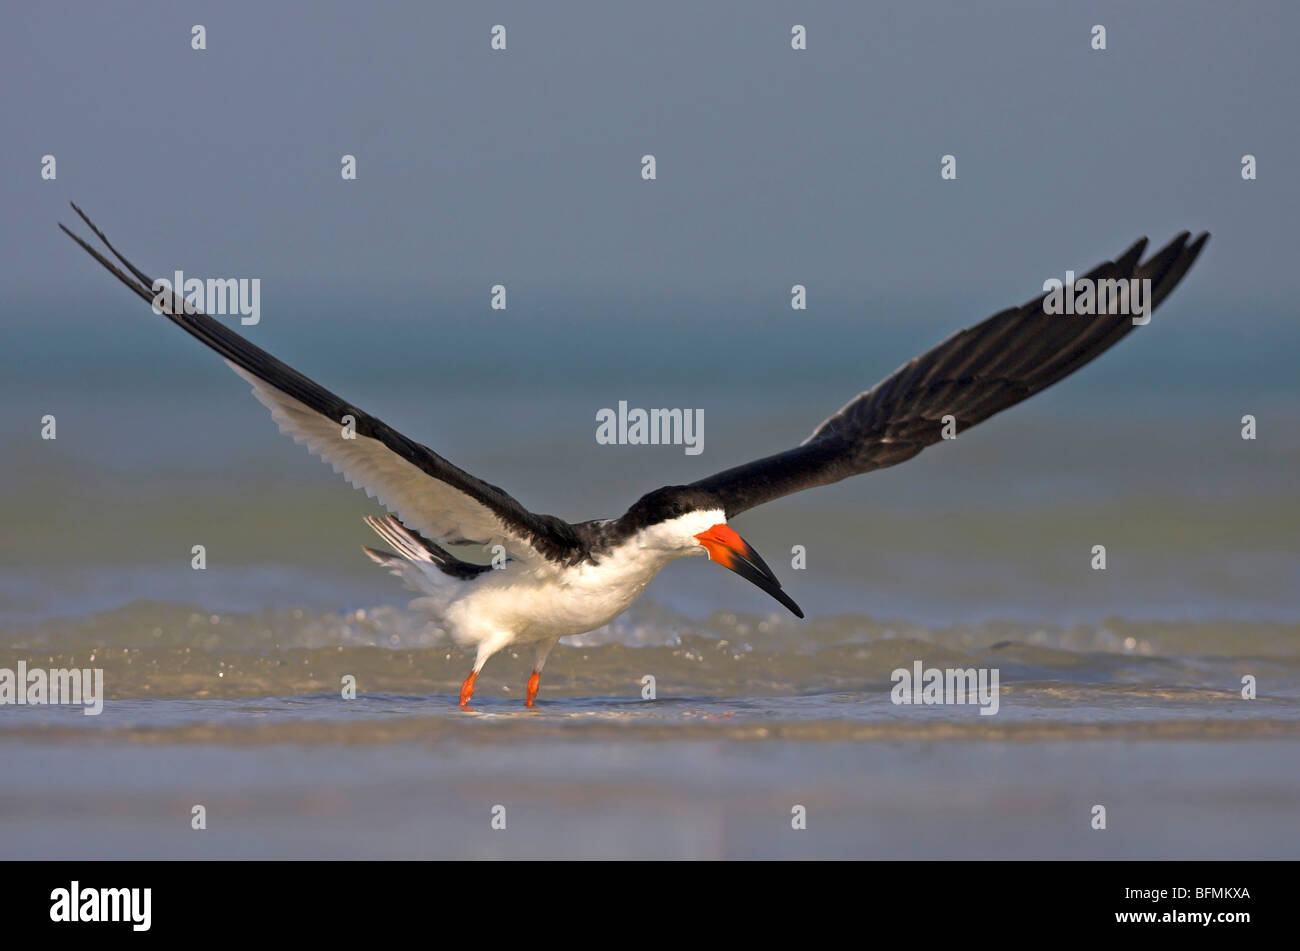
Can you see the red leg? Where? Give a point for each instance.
(533, 682)
(467, 689)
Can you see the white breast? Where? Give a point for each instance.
(531, 605)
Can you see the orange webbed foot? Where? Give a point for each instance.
(467, 689)
(533, 682)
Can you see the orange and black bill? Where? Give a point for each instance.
(731, 551)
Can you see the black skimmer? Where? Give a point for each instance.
(566, 578)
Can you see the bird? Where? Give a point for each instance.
(564, 578)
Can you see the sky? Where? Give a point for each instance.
(523, 166)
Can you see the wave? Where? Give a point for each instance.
(158, 649)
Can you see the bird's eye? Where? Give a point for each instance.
(677, 508)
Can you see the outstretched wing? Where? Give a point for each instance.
(972, 375)
(426, 491)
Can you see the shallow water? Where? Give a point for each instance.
(1120, 687)
(243, 713)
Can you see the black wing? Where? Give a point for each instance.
(972, 375)
(424, 489)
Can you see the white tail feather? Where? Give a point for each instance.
(403, 542)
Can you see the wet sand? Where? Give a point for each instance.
(607, 796)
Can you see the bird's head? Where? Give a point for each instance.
(679, 520)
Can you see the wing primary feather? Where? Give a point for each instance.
(495, 514)
(974, 374)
